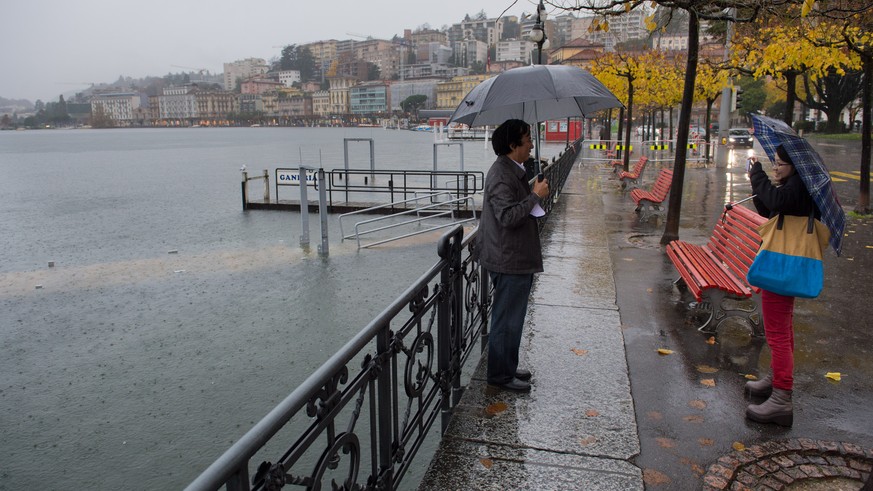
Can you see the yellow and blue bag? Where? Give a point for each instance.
(789, 261)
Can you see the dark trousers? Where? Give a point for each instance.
(511, 293)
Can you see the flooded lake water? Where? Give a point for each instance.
(171, 321)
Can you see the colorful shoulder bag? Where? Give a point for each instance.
(789, 261)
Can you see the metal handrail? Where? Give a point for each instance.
(387, 205)
(417, 211)
(410, 358)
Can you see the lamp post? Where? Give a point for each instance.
(538, 35)
(538, 32)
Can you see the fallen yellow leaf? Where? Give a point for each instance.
(666, 442)
(496, 408)
(654, 478)
(869, 247)
(665, 351)
(486, 463)
(697, 404)
(711, 340)
(751, 377)
(834, 376)
(592, 413)
(708, 382)
(706, 369)
(588, 440)
(739, 447)
(706, 442)
(580, 352)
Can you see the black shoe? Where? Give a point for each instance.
(515, 385)
(523, 374)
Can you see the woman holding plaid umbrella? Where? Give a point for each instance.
(790, 197)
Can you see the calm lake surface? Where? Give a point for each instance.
(172, 321)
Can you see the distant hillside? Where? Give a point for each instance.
(20, 105)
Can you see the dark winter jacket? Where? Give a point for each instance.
(791, 198)
(509, 241)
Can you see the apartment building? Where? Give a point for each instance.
(401, 90)
(384, 54)
(339, 94)
(489, 31)
(321, 103)
(324, 53)
(243, 70)
(450, 93)
(622, 28)
(212, 104)
(260, 86)
(514, 50)
(369, 98)
(469, 52)
(178, 102)
(288, 77)
(121, 107)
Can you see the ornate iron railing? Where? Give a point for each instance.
(358, 420)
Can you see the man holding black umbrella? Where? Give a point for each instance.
(509, 248)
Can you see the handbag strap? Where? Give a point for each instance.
(810, 223)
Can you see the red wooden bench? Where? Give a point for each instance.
(716, 272)
(633, 176)
(649, 201)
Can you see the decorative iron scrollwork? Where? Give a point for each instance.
(417, 373)
(327, 397)
(349, 444)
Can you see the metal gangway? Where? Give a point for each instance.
(425, 208)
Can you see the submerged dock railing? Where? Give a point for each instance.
(358, 421)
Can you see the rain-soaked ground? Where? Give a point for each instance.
(690, 405)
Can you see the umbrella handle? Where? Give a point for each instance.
(730, 206)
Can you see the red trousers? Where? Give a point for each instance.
(778, 313)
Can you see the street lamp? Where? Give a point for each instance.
(538, 35)
(538, 32)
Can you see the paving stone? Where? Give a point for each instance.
(860, 466)
(812, 470)
(746, 478)
(796, 473)
(757, 470)
(715, 482)
(783, 477)
(738, 486)
(772, 483)
(783, 461)
(769, 465)
(834, 460)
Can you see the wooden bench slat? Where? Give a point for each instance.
(720, 266)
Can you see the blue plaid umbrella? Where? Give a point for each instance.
(771, 133)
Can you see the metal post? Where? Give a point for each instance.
(323, 249)
(266, 186)
(304, 207)
(724, 114)
(245, 181)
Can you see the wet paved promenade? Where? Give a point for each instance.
(577, 425)
(608, 413)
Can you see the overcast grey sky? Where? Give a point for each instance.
(51, 47)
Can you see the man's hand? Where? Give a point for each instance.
(541, 188)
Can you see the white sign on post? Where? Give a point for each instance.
(293, 178)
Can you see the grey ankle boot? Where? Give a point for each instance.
(762, 387)
(777, 409)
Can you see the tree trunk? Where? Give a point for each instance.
(630, 112)
(671, 228)
(619, 133)
(790, 96)
(864, 195)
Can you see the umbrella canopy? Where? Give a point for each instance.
(534, 93)
(809, 165)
